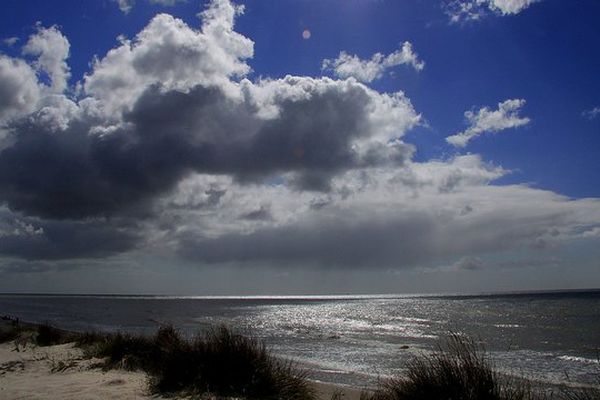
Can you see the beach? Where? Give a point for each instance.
(61, 372)
(65, 372)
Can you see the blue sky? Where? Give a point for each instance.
(517, 82)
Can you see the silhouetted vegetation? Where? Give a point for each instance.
(220, 362)
(48, 335)
(9, 332)
(458, 370)
(584, 393)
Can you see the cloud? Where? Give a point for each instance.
(52, 50)
(392, 223)
(170, 53)
(591, 114)
(11, 41)
(167, 104)
(486, 120)
(508, 7)
(36, 88)
(19, 89)
(167, 3)
(127, 5)
(37, 239)
(167, 149)
(473, 10)
(347, 65)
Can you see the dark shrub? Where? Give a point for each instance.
(48, 335)
(224, 363)
(220, 363)
(458, 370)
(124, 350)
(9, 332)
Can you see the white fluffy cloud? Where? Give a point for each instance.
(51, 49)
(471, 10)
(507, 7)
(36, 87)
(486, 120)
(346, 65)
(170, 53)
(19, 89)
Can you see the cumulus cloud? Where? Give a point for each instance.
(472, 10)
(486, 120)
(51, 49)
(36, 87)
(19, 89)
(167, 103)
(346, 65)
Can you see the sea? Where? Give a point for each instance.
(549, 337)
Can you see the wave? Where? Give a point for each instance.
(579, 359)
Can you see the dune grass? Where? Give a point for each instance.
(584, 393)
(40, 335)
(219, 362)
(9, 333)
(458, 370)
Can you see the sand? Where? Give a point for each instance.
(62, 373)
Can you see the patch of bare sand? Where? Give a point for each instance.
(62, 373)
(327, 391)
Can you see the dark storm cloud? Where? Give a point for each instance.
(58, 240)
(34, 267)
(261, 214)
(336, 243)
(357, 241)
(73, 174)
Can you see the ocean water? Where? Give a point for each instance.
(551, 337)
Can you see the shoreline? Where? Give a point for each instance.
(62, 367)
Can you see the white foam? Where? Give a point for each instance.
(580, 359)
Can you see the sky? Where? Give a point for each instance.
(299, 147)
